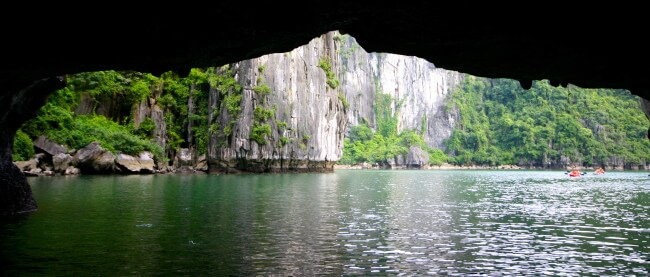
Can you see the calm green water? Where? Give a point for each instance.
(342, 223)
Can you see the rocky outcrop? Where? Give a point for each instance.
(71, 171)
(202, 163)
(184, 157)
(62, 161)
(106, 105)
(46, 150)
(144, 163)
(93, 159)
(184, 162)
(147, 162)
(292, 115)
(43, 164)
(127, 163)
(27, 165)
(149, 108)
(49, 147)
(416, 158)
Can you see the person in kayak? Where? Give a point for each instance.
(575, 173)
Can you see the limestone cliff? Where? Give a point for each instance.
(294, 108)
(290, 116)
(417, 84)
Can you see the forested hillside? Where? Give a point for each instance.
(546, 126)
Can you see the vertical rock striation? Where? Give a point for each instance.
(417, 84)
(291, 115)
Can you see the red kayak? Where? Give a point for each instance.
(575, 173)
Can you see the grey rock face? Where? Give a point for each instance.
(127, 163)
(147, 164)
(93, 159)
(149, 108)
(357, 81)
(416, 158)
(71, 171)
(417, 84)
(52, 148)
(308, 116)
(422, 90)
(184, 161)
(202, 163)
(61, 162)
(27, 165)
(184, 156)
(141, 164)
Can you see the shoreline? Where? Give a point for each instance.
(481, 167)
(196, 171)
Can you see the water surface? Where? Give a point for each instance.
(343, 223)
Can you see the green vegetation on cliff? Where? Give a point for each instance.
(261, 129)
(116, 109)
(59, 121)
(363, 144)
(222, 80)
(326, 65)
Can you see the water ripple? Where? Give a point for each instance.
(412, 223)
(513, 224)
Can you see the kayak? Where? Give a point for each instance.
(575, 173)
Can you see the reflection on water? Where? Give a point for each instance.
(343, 223)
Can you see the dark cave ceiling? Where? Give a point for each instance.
(603, 47)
